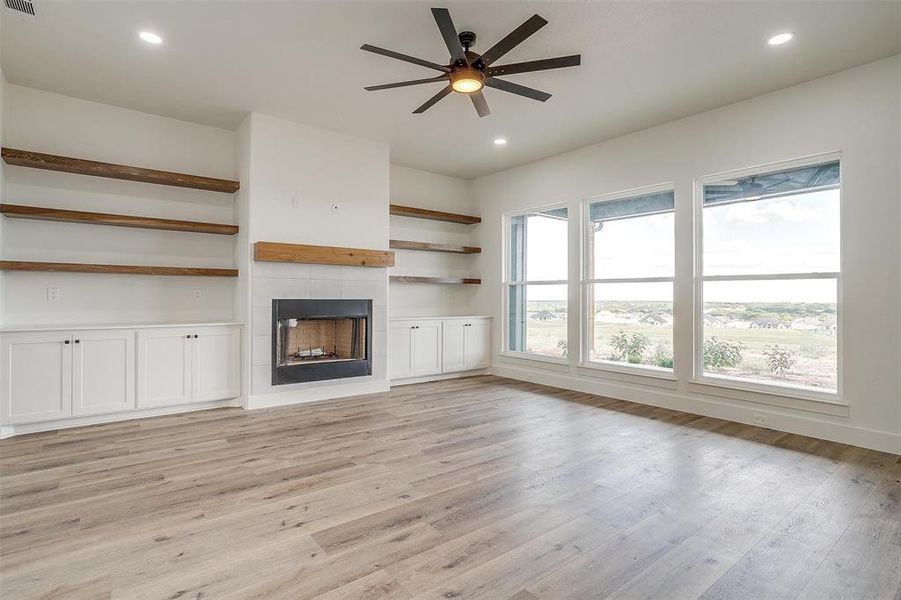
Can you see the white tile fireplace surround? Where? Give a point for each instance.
(302, 281)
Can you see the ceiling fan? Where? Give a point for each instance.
(468, 72)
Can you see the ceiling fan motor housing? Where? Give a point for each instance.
(467, 39)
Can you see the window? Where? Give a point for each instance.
(629, 279)
(769, 278)
(536, 283)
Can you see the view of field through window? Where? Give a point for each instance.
(780, 330)
(537, 263)
(769, 293)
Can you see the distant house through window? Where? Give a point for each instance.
(629, 262)
(769, 267)
(536, 283)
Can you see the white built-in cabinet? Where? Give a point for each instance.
(103, 371)
(186, 365)
(37, 376)
(59, 375)
(426, 347)
(414, 348)
(466, 345)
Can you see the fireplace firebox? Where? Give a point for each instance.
(315, 340)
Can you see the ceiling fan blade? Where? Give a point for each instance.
(449, 33)
(536, 65)
(478, 100)
(388, 86)
(515, 88)
(433, 100)
(513, 39)
(405, 58)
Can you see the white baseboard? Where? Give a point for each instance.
(13, 430)
(315, 394)
(711, 406)
(439, 377)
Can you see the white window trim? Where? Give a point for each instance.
(740, 386)
(507, 282)
(587, 281)
(629, 369)
(534, 356)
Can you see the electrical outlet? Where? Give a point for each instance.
(197, 294)
(295, 201)
(53, 294)
(761, 420)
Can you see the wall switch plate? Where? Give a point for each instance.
(53, 294)
(295, 201)
(197, 294)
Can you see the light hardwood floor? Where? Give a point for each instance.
(470, 488)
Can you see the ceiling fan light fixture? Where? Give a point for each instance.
(150, 37)
(780, 38)
(467, 80)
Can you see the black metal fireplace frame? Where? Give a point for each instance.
(320, 309)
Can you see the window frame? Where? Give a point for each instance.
(740, 384)
(507, 283)
(587, 255)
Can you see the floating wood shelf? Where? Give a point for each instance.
(322, 255)
(37, 213)
(51, 162)
(434, 215)
(15, 265)
(411, 279)
(429, 247)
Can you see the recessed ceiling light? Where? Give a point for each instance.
(150, 37)
(500, 141)
(780, 38)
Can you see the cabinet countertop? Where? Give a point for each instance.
(64, 327)
(438, 318)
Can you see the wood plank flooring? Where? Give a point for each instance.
(470, 488)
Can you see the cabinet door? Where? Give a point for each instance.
(217, 369)
(453, 353)
(478, 344)
(400, 351)
(103, 371)
(36, 377)
(164, 367)
(426, 348)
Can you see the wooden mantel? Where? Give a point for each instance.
(322, 255)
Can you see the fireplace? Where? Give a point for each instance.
(315, 340)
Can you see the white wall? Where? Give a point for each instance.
(300, 173)
(295, 174)
(855, 112)
(3, 86)
(412, 187)
(55, 124)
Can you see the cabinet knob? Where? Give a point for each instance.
(66, 342)
(188, 336)
(77, 341)
(195, 336)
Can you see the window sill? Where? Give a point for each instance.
(612, 372)
(535, 358)
(645, 371)
(787, 397)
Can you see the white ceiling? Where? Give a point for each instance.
(642, 64)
